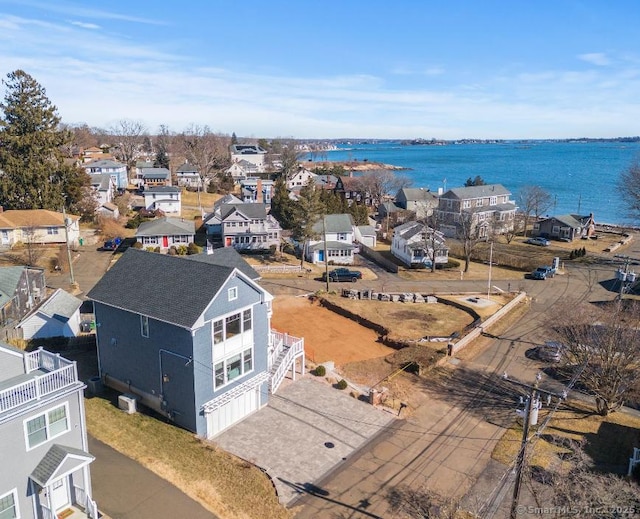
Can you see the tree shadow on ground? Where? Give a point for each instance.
(485, 395)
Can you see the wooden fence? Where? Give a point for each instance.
(378, 259)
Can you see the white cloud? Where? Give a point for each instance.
(596, 58)
(85, 25)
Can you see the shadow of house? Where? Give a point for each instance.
(612, 446)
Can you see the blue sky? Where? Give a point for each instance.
(333, 69)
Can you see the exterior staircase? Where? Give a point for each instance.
(285, 352)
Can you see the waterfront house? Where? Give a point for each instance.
(167, 199)
(57, 316)
(37, 226)
(213, 221)
(565, 227)
(199, 351)
(166, 232)
(488, 209)
(414, 244)
(117, 170)
(338, 232)
(43, 438)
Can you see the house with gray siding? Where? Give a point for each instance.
(43, 438)
(22, 288)
(166, 232)
(191, 340)
(334, 234)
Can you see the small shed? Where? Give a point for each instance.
(58, 316)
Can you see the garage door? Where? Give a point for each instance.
(232, 412)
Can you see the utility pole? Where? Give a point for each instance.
(66, 240)
(326, 257)
(490, 264)
(622, 274)
(530, 418)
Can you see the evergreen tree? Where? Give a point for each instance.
(281, 204)
(35, 175)
(234, 138)
(360, 214)
(307, 209)
(161, 159)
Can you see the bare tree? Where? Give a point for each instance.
(127, 137)
(518, 226)
(468, 232)
(207, 151)
(433, 238)
(602, 342)
(629, 188)
(381, 183)
(533, 200)
(284, 156)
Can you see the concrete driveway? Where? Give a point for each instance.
(307, 430)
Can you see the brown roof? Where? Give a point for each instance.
(15, 218)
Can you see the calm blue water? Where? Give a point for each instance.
(582, 177)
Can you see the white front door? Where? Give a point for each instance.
(232, 412)
(60, 494)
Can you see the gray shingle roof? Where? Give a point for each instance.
(416, 193)
(9, 278)
(226, 257)
(101, 181)
(180, 292)
(252, 211)
(103, 163)
(54, 458)
(60, 305)
(335, 223)
(162, 189)
(155, 173)
(187, 168)
(166, 226)
(465, 193)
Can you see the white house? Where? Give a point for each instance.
(241, 170)
(249, 152)
(337, 230)
(300, 178)
(117, 170)
(413, 243)
(166, 198)
(187, 175)
(58, 316)
(39, 226)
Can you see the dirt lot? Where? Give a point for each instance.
(327, 336)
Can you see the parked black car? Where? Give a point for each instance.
(342, 274)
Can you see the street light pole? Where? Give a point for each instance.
(490, 264)
(326, 258)
(66, 240)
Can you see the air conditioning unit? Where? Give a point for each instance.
(127, 403)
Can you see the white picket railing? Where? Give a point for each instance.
(293, 346)
(60, 374)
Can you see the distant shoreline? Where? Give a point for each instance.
(357, 165)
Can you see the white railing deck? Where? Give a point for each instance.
(59, 373)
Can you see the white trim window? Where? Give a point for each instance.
(51, 230)
(233, 367)
(493, 200)
(144, 326)
(232, 325)
(46, 426)
(466, 204)
(233, 293)
(9, 505)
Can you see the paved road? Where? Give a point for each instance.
(447, 443)
(124, 489)
(89, 265)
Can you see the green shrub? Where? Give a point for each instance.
(320, 371)
(192, 248)
(149, 249)
(342, 384)
(182, 250)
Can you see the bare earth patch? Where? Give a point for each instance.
(327, 336)
(408, 321)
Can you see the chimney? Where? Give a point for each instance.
(259, 191)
